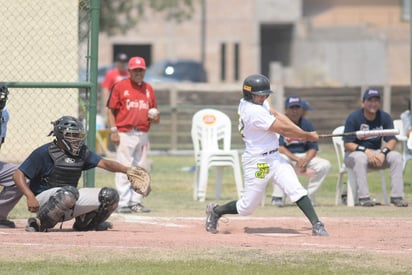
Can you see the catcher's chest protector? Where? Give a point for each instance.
(67, 169)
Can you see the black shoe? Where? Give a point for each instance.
(399, 202)
(211, 218)
(366, 202)
(7, 224)
(278, 202)
(123, 210)
(33, 225)
(344, 199)
(318, 229)
(103, 226)
(139, 208)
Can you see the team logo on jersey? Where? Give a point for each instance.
(69, 160)
(126, 93)
(289, 141)
(137, 104)
(209, 119)
(364, 127)
(263, 170)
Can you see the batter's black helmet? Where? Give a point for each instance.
(256, 84)
(4, 93)
(69, 131)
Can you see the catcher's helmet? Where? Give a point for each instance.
(256, 84)
(4, 93)
(69, 131)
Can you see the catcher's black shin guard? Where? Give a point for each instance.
(109, 200)
(57, 207)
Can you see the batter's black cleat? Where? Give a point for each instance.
(211, 218)
(33, 225)
(318, 229)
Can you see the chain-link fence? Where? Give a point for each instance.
(46, 56)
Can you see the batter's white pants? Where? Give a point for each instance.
(132, 150)
(320, 166)
(258, 172)
(88, 201)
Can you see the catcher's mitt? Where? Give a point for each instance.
(140, 180)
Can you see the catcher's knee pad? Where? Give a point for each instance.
(57, 207)
(109, 199)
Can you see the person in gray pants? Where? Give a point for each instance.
(10, 194)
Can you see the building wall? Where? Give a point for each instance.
(370, 30)
(382, 37)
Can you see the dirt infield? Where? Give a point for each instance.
(381, 235)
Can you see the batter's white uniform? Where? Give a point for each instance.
(261, 160)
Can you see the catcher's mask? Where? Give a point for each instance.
(4, 93)
(70, 133)
(255, 84)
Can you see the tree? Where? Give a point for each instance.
(118, 16)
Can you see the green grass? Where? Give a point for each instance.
(172, 196)
(214, 261)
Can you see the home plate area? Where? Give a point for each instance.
(383, 235)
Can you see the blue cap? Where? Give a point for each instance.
(369, 93)
(293, 100)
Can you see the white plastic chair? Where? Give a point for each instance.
(211, 135)
(403, 139)
(352, 196)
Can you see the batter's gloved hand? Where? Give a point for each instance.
(140, 180)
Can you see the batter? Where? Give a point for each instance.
(260, 127)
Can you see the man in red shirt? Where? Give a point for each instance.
(129, 102)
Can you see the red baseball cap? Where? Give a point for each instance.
(137, 62)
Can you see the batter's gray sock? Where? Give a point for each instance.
(228, 208)
(307, 208)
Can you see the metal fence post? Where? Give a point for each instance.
(91, 137)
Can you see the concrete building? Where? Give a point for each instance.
(295, 42)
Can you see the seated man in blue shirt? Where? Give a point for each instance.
(373, 152)
(302, 155)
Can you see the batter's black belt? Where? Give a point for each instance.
(270, 152)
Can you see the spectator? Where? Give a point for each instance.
(10, 195)
(116, 74)
(375, 152)
(406, 123)
(301, 154)
(129, 102)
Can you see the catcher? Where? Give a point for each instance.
(53, 171)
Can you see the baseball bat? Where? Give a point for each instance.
(365, 134)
